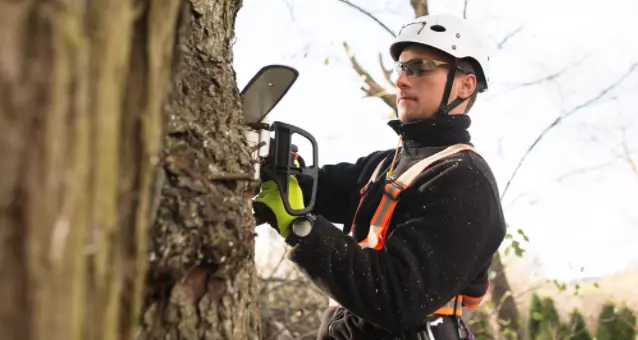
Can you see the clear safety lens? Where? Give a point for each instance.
(415, 67)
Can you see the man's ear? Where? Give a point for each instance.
(467, 85)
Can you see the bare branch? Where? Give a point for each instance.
(279, 330)
(508, 37)
(611, 87)
(291, 9)
(374, 89)
(274, 271)
(386, 72)
(575, 172)
(547, 78)
(627, 152)
(465, 9)
(420, 7)
(560, 118)
(369, 15)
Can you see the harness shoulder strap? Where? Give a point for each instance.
(364, 191)
(406, 179)
(381, 219)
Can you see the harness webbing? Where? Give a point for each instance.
(381, 220)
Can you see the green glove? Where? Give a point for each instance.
(271, 198)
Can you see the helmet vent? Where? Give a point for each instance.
(437, 28)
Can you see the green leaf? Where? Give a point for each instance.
(504, 322)
(522, 233)
(538, 316)
(325, 62)
(518, 250)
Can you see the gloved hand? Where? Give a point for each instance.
(269, 205)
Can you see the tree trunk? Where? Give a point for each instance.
(202, 275)
(83, 119)
(507, 311)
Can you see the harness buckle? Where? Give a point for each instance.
(394, 189)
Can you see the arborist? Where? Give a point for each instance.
(422, 221)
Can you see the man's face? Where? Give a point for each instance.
(419, 96)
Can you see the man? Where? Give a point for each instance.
(413, 254)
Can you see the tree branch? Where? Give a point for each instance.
(386, 72)
(369, 15)
(508, 37)
(272, 273)
(627, 152)
(547, 78)
(420, 7)
(374, 89)
(465, 9)
(562, 117)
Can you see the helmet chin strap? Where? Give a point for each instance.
(445, 109)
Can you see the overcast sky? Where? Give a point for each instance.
(587, 219)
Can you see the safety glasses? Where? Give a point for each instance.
(417, 67)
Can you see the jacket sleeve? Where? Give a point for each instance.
(338, 186)
(453, 228)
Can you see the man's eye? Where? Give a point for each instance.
(419, 71)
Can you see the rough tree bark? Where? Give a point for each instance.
(501, 296)
(202, 271)
(86, 169)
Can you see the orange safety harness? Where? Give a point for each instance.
(381, 219)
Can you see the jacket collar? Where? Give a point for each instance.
(434, 132)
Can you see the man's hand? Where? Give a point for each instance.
(269, 205)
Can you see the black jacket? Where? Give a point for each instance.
(440, 243)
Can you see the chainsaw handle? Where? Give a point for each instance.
(280, 156)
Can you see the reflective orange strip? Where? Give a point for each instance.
(380, 223)
(472, 302)
(381, 219)
(382, 216)
(448, 311)
(448, 308)
(363, 192)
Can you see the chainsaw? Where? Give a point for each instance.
(272, 150)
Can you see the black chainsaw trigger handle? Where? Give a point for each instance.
(281, 156)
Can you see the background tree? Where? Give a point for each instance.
(616, 323)
(605, 329)
(577, 330)
(626, 324)
(535, 317)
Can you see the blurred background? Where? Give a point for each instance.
(559, 126)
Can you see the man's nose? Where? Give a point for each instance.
(403, 81)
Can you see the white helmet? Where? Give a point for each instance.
(451, 35)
